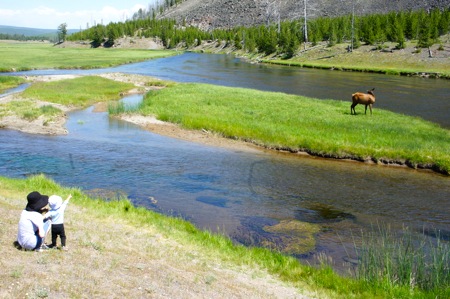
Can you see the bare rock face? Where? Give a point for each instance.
(210, 14)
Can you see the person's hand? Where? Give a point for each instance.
(69, 197)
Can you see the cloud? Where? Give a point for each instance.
(48, 18)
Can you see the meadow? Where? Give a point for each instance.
(22, 56)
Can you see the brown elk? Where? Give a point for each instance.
(367, 99)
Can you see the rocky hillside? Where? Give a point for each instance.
(210, 14)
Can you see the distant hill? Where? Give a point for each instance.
(230, 13)
(12, 30)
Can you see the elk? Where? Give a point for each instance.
(367, 99)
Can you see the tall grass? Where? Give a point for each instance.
(28, 110)
(296, 123)
(408, 260)
(7, 82)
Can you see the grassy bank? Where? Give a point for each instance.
(295, 123)
(117, 250)
(388, 60)
(7, 82)
(42, 107)
(79, 92)
(20, 56)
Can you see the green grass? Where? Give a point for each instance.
(216, 246)
(7, 82)
(387, 259)
(296, 123)
(20, 56)
(28, 110)
(79, 92)
(74, 93)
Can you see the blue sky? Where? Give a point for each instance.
(49, 14)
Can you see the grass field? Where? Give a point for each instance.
(20, 56)
(296, 123)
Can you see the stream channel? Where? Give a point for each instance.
(256, 198)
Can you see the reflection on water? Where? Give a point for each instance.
(235, 192)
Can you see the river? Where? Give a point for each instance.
(236, 192)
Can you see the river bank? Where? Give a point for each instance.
(138, 261)
(216, 137)
(384, 59)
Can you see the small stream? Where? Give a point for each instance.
(242, 194)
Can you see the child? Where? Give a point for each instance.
(32, 229)
(56, 214)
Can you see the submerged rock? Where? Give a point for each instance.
(297, 237)
(320, 213)
(291, 237)
(215, 201)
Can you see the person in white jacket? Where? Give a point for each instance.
(32, 229)
(56, 214)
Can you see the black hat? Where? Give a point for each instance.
(36, 202)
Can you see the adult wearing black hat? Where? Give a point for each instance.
(31, 224)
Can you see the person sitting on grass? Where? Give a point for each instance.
(32, 229)
(56, 214)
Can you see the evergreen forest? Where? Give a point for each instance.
(283, 37)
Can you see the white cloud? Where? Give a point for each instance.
(49, 18)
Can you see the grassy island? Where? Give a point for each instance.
(295, 123)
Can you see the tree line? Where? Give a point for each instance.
(283, 37)
(23, 37)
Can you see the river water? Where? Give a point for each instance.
(237, 192)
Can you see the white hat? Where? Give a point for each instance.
(55, 202)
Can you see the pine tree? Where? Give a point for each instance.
(62, 32)
(425, 35)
